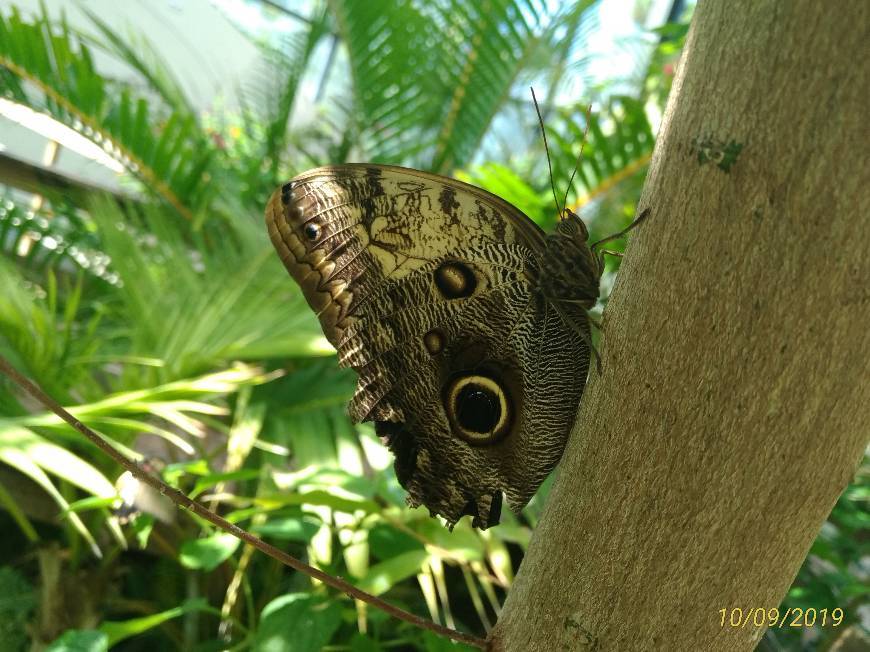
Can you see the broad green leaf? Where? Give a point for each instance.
(387, 542)
(209, 552)
(334, 497)
(297, 622)
(287, 529)
(20, 460)
(80, 640)
(117, 631)
(381, 577)
(463, 542)
(94, 502)
(207, 482)
(138, 426)
(55, 460)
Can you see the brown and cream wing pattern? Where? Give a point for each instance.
(427, 288)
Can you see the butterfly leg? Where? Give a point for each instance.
(599, 257)
(595, 353)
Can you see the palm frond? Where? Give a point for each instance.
(430, 77)
(617, 151)
(268, 101)
(197, 307)
(43, 335)
(35, 457)
(46, 68)
(181, 405)
(52, 237)
(137, 52)
(312, 420)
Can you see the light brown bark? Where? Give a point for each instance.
(734, 403)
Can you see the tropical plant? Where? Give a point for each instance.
(164, 321)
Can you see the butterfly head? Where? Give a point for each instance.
(571, 271)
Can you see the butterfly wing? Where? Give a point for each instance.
(428, 288)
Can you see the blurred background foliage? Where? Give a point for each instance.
(158, 313)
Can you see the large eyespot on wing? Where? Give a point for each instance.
(479, 409)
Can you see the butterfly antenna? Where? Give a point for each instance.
(580, 155)
(547, 150)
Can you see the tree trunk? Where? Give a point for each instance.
(733, 407)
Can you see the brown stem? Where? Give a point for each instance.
(200, 510)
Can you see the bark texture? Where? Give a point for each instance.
(734, 405)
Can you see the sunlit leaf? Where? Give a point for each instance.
(383, 576)
(55, 460)
(80, 640)
(297, 622)
(463, 542)
(117, 631)
(287, 529)
(209, 552)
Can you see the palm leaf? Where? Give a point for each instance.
(43, 336)
(268, 101)
(169, 155)
(196, 308)
(430, 77)
(54, 236)
(141, 55)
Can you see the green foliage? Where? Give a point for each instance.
(64, 237)
(430, 77)
(831, 577)
(297, 621)
(79, 640)
(168, 324)
(169, 154)
(209, 552)
(17, 601)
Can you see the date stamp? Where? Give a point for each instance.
(791, 617)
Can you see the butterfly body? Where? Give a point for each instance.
(466, 325)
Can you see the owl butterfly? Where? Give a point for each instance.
(466, 324)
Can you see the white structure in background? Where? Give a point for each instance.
(204, 50)
(211, 58)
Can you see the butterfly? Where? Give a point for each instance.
(466, 324)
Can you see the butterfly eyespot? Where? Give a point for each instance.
(434, 342)
(478, 409)
(312, 231)
(455, 280)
